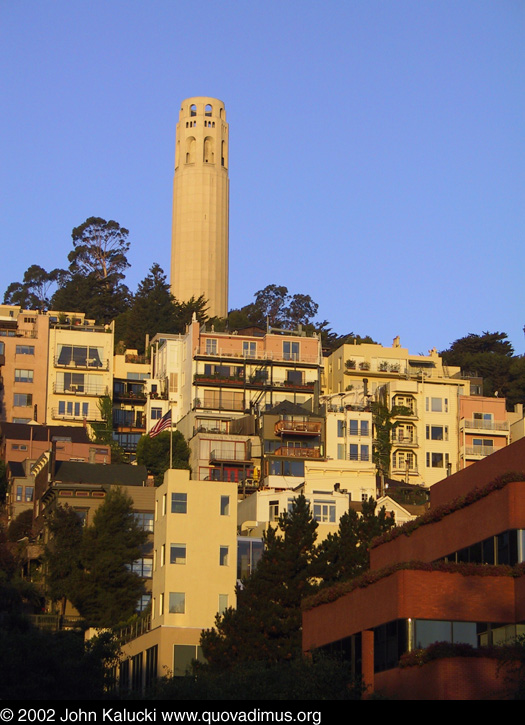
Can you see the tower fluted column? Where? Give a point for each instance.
(199, 246)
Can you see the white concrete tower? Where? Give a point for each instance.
(199, 243)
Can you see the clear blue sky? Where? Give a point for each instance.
(376, 148)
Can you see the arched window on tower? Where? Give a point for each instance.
(223, 153)
(190, 150)
(193, 110)
(208, 110)
(209, 155)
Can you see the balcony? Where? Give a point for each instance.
(229, 454)
(296, 452)
(95, 391)
(82, 364)
(402, 439)
(92, 414)
(487, 425)
(479, 451)
(291, 427)
(263, 355)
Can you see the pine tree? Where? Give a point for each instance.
(346, 554)
(267, 622)
(96, 563)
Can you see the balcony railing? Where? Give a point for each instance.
(87, 364)
(266, 355)
(297, 428)
(400, 439)
(55, 622)
(228, 454)
(81, 389)
(295, 452)
(92, 414)
(492, 425)
(480, 451)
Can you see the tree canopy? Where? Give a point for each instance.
(490, 356)
(154, 453)
(91, 567)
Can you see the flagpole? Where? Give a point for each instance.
(171, 437)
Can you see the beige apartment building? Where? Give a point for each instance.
(194, 575)
(426, 395)
(199, 261)
(80, 368)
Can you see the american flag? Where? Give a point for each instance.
(161, 425)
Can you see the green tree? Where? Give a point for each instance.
(93, 282)
(63, 555)
(266, 625)
(108, 591)
(33, 292)
(154, 453)
(346, 554)
(100, 248)
(490, 356)
(103, 429)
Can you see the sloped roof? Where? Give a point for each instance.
(26, 432)
(99, 473)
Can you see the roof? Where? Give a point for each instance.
(26, 432)
(286, 407)
(122, 474)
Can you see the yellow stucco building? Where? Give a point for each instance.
(194, 575)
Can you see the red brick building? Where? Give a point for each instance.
(456, 575)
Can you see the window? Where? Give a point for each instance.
(365, 453)
(435, 405)
(353, 452)
(178, 554)
(19, 493)
(365, 428)
(25, 349)
(437, 460)
(223, 555)
(404, 460)
(29, 494)
(353, 427)
(340, 428)
(174, 382)
(161, 605)
(80, 356)
(143, 568)
(483, 420)
(249, 552)
(211, 347)
(177, 603)
(437, 432)
(156, 413)
(223, 603)
(23, 376)
(291, 350)
(23, 400)
(249, 349)
(225, 505)
(294, 377)
(163, 554)
(341, 451)
(273, 510)
(179, 503)
(183, 656)
(324, 511)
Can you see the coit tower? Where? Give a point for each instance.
(199, 243)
